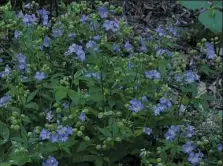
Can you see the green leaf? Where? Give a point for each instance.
(212, 21)
(83, 146)
(74, 96)
(194, 4)
(32, 95)
(5, 164)
(61, 93)
(32, 105)
(85, 158)
(99, 162)
(4, 133)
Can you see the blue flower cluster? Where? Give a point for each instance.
(163, 105)
(28, 19)
(187, 77)
(4, 100)
(78, 50)
(136, 105)
(45, 17)
(21, 61)
(61, 135)
(110, 26)
(51, 161)
(153, 74)
(172, 132)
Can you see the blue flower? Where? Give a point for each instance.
(195, 158)
(92, 44)
(28, 6)
(171, 133)
(136, 105)
(64, 133)
(84, 18)
(190, 77)
(130, 65)
(1, 60)
(46, 41)
(51, 161)
(45, 134)
(6, 72)
(160, 52)
(49, 116)
(147, 130)
(82, 116)
(219, 147)
(17, 34)
(188, 147)
(45, 16)
(72, 35)
(95, 75)
(65, 105)
(103, 12)
(39, 76)
(57, 32)
(160, 31)
(153, 74)
(164, 105)
(97, 37)
(78, 50)
(190, 131)
(4, 100)
(116, 48)
(173, 31)
(128, 46)
(110, 26)
(144, 98)
(29, 20)
(210, 51)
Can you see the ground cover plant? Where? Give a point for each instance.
(84, 89)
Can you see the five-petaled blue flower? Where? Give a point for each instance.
(188, 147)
(103, 12)
(51, 161)
(82, 116)
(195, 158)
(39, 76)
(153, 74)
(147, 130)
(110, 26)
(136, 105)
(4, 100)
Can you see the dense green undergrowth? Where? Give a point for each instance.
(82, 89)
